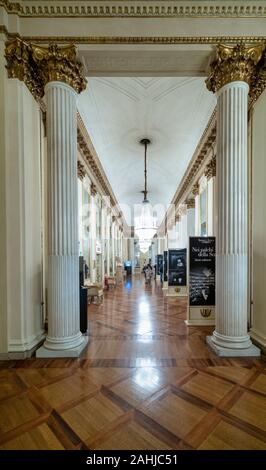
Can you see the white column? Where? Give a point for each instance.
(183, 231)
(210, 174)
(195, 191)
(108, 243)
(210, 206)
(230, 337)
(103, 233)
(93, 236)
(113, 248)
(191, 222)
(172, 237)
(64, 337)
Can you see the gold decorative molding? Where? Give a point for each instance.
(81, 171)
(210, 170)
(137, 8)
(190, 203)
(205, 312)
(59, 64)
(233, 63)
(195, 189)
(20, 65)
(93, 189)
(177, 218)
(189, 183)
(166, 40)
(96, 170)
(258, 82)
(36, 65)
(92, 162)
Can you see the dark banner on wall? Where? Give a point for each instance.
(177, 267)
(201, 271)
(159, 265)
(165, 265)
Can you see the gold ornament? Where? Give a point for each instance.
(190, 203)
(233, 63)
(210, 170)
(59, 64)
(205, 312)
(36, 65)
(81, 170)
(93, 189)
(195, 189)
(20, 65)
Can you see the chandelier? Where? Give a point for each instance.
(145, 224)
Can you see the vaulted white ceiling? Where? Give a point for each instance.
(172, 112)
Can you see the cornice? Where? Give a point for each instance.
(198, 160)
(210, 170)
(197, 163)
(136, 8)
(92, 161)
(153, 40)
(81, 170)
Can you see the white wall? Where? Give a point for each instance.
(258, 331)
(23, 203)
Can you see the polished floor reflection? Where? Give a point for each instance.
(146, 381)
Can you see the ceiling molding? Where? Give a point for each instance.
(139, 8)
(195, 167)
(153, 40)
(90, 158)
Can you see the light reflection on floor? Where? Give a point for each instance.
(147, 377)
(128, 284)
(144, 320)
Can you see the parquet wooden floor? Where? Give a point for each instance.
(146, 381)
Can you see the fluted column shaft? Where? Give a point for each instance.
(232, 236)
(63, 257)
(190, 222)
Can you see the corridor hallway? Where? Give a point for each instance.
(146, 381)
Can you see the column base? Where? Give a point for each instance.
(199, 322)
(43, 352)
(251, 351)
(174, 291)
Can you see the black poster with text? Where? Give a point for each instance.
(159, 265)
(165, 265)
(201, 271)
(177, 267)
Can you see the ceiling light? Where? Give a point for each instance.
(145, 223)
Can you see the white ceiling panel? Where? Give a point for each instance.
(171, 111)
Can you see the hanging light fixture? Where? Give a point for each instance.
(145, 224)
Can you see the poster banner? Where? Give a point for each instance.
(165, 266)
(177, 267)
(159, 265)
(201, 271)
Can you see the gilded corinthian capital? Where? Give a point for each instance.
(59, 64)
(36, 65)
(19, 64)
(233, 63)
